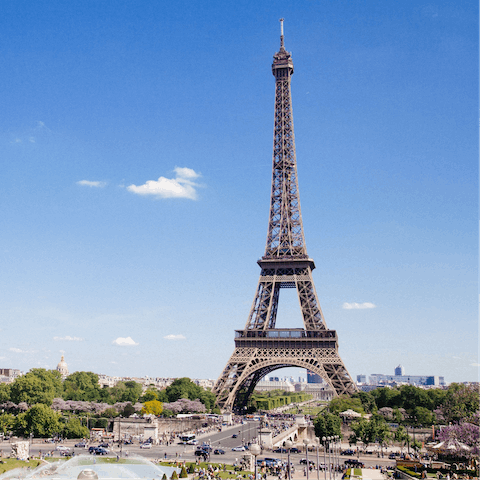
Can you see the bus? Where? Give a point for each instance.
(188, 439)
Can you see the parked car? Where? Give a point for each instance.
(294, 450)
(146, 445)
(238, 449)
(219, 451)
(81, 445)
(349, 451)
(280, 450)
(303, 461)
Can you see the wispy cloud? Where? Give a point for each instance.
(91, 183)
(174, 337)
(182, 186)
(124, 342)
(357, 306)
(16, 350)
(475, 364)
(69, 338)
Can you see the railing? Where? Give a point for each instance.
(285, 333)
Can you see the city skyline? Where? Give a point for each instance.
(136, 156)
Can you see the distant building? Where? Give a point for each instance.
(274, 385)
(361, 379)
(8, 375)
(400, 370)
(62, 368)
(313, 377)
(418, 380)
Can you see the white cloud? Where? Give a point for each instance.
(90, 183)
(181, 186)
(124, 342)
(174, 337)
(69, 338)
(357, 306)
(16, 350)
(475, 364)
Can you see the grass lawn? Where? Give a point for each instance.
(11, 463)
(228, 473)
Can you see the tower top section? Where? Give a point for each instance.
(282, 61)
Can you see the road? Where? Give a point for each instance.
(245, 433)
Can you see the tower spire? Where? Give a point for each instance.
(282, 47)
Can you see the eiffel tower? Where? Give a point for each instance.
(261, 348)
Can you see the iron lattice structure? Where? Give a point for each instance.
(261, 348)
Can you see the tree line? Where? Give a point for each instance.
(393, 410)
(41, 404)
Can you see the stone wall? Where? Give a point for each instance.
(127, 427)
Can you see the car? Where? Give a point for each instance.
(81, 445)
(146, 445)
(353, 462)
(62, 448)
(192, 442)
(206, 447)
(127, 442)
(219, 451)
(104, 445)
(349, 451)
(234, 435)
(238, 449)
(97, 451)
(201, 453)
(294, 450)
(280, 450)
(391, 456)
(303, 461)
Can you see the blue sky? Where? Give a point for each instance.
(135, 149)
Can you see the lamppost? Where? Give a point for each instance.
(317, 445)
(305, 441)
(324, 440)
(288, 445)
(255, 451)
(329, 457)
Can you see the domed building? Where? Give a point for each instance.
(62, 368)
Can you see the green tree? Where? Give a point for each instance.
(183, 388)
(344, 402)
(422, 416)
(82, 386)
(370, 431)
(74, 429)
(149, 395)
(153, 407)
(368, 401)
(183, 472)
(126, 392)
(401, 435)
(327, 424)
(40, 420)
(460, 402)
(4, 392)
(37, 386)
(7, 423)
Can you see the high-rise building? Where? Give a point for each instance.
(400, 370)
